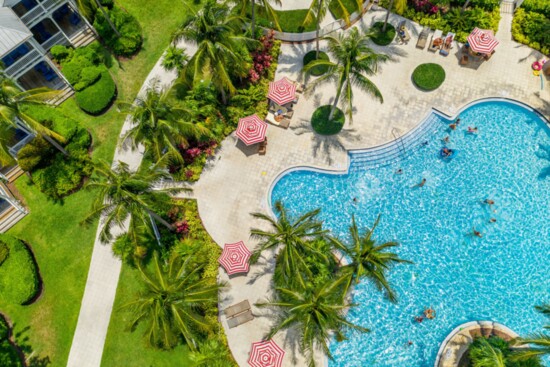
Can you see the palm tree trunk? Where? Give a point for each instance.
(111, 24)
(387, 16)
(317, 40)
(54, 143)
(335, 104)
(465, 6)
(159, 219)
(224, 97)
(253, 19)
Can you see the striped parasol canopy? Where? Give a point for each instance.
(282, 91)
(251, 129)
(234, 258)
(482, 41)
(266, 354)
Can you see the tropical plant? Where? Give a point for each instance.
(12, 103)
(353, 60)
(125, 195)
(316, 314)
(486, 354)
(242, 7)
(221, 48)
(211, 353)
(88, 8)
(160, 126)
(535, 344)
(294, 237)
(367, 259)
(317, 12)
(171, 303)
(400, 7)
(175, 58)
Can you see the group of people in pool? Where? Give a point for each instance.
(428, 313)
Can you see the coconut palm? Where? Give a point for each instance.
(125, 195)
(316, 314)
(317, 12)
(243, 5)
(171, 303)
(160, 126)
(485, 354)
(367, 259)
(12, 104)
(538, 343)
(219, 55)
(353, 60)
(400, 7)
(294, 237)
(175, 58)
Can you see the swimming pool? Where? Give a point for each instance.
(498, 277)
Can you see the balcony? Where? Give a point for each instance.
(51, 4)
(42, 75)
(32, 15)
(56, 39)
(29, 58)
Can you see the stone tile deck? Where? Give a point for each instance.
(236, 182)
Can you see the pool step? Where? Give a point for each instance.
(396, 149)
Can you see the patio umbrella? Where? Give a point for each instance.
(251, 129)
(482, 41)
(234, 258)
(282, 91)
(266, 354)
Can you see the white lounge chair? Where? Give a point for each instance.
(437, 35)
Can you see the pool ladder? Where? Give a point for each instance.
(397, 136)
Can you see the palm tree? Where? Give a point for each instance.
(538, 343)
(175, 58)
(318, 10)
(484, 354)
(12, 103)
(88, 9)
(216, 32)
(294, 236)
(368, 259)
(354, 58)
(159, 125)
(242, 8)
(171, 303)
(316, 314)
(400, 7)
(125, 195)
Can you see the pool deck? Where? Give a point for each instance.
(237, 180)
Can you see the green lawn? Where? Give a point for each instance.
(290, 21)
(350, 5)
(62, 247)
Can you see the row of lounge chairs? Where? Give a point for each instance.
(439, 42)
(238, 314)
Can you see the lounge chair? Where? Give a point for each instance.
(300, 87)
(403, 33)
(289, 114)
(423, 38)
(436, 42)
(262, 147)
(240, 319)
(447, 44)
(237, 308)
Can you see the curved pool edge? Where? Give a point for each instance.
(432, 111)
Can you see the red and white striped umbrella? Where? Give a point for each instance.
(234, 258)
(266, 354)
(482, 41)
(251, 129)
(282, 91)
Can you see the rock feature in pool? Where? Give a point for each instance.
(453, 350)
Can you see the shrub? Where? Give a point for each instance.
(322, 125)
(18, 274)
(97, 97)
(383, 38)
(532, 29)
(312, 56)
(428, 76)
(60, 53)
(35, 153)
(538, 6)
(131, 38)
(4, 253)
(88, 76)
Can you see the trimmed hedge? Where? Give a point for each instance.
(131, 39)
(19, 281)
(533, 29)
(428, 76)
(99, 96)
(382, 38)
(311, 56)
(322, 125)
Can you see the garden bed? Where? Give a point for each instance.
(383, 38)
(310, 57)
(322, 125)
(428, 76)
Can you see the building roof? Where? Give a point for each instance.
(12, 31)
(8, 2)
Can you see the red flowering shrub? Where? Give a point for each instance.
(425, 6)
(262, 57)
(182, 227)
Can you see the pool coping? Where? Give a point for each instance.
(423, 121)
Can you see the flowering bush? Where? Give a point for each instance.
(262, 58)
(425, 6)
(182, 227)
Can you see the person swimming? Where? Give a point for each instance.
(422, 183)
(446, 152)
(399, 171)
(445, 139)
(424, 143)
(429, 313)
(419, 319)
(454, 125)
(477, 233)
(492, 220)
(488, 201)
(472, 130)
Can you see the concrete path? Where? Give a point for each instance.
(237, 180)
(101, 285)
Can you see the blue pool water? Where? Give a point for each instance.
(498, 277)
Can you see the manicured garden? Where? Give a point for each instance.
(428, 76)
(382, 37)
(323, 124)
(531, 25)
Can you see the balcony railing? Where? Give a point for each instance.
(32, 15)
(49, 4)
(28, 58)
(56, 39)
(17, 147)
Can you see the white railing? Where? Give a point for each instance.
(32, 15)
(48, 4)
(56, 39)
(18, 65)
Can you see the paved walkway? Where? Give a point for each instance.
(236, 181)
(101, 285)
